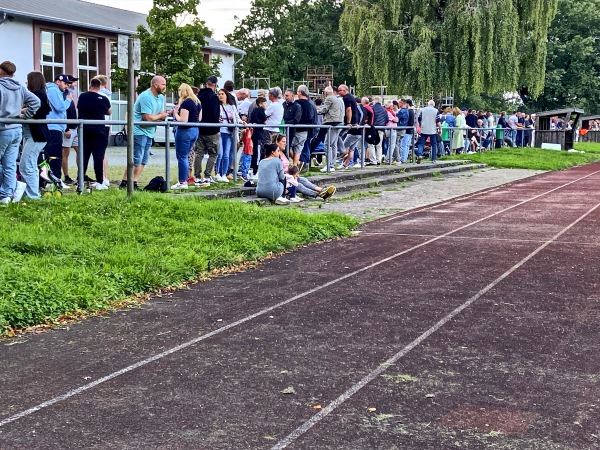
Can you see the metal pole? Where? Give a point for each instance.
(168, 154)
(328, 148)
(362, 149)
(130, 101)
(80, 174)
(236, 139)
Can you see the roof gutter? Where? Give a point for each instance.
(4, 16)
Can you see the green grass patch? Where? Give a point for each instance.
(82, 254)
(532, 158)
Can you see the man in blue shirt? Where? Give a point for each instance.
(149, 107)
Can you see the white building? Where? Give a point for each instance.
(77, 37)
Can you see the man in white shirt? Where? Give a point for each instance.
(274, 115)
(428, 130)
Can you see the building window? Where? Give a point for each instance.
(114, 54)
(87, 59)
(52, 59)
(206, 58)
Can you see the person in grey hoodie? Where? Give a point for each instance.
(12, 98)
(59, 105)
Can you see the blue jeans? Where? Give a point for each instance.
(223, 156)
(404, 146)
(9, 150)
(306, 188)
(141, 149)
(28, 167)
(432, 141)
(245, 163)
(184, 141)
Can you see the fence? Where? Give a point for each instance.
(168, 125)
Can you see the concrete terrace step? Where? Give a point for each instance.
(355, 179)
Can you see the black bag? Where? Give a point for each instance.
(372, 136)
(157, 184)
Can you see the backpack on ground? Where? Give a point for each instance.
(157, 184)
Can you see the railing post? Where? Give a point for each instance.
(328, 148)
(168, 153)
(80, 174)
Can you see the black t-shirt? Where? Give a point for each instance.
(350, 101)
(193, 109)
(93, 106)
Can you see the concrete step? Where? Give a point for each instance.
(355, 179)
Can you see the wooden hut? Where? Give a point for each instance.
(586, 133)
(563, 138)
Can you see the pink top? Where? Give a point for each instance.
(392, 119)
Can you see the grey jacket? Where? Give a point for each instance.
(12, 98)
(332, 110)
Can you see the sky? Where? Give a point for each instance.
(216, 16)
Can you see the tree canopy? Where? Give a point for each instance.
(460, 46)
(573, 62)
(282, 37)
(171, 46)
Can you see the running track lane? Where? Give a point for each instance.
(360, 315)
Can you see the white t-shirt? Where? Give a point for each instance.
(274, 114)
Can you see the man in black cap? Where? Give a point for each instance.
(408, 122)
(208, 138)
(59, 103)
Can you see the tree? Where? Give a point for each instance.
(464, 46)
(573, 61)
(282, 37)
(171, 46)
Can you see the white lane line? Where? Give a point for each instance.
(472, 238)
(187, 344)
(289, 439)
(401, 215)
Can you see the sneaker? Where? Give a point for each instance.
(296, 200)
(282, 201)
(123, 184)
(222, 179)
(4, 201)
(315, 163)
(325, 194)
(136, 186)
(69, 180)
(179, 186)
(192, 180)
(99, 186)
(324, 169)
(202, 183)
(229, 177)
(244, 178)
(419, 159)
(19, 191)
(106, 182)
(63, 185)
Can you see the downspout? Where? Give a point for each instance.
(235, 63)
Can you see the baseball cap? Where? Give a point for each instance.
(212, 79)
(65, 77)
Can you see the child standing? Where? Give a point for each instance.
(291, 183)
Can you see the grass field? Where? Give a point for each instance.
(79, 254)
(535, 158)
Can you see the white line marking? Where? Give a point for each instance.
(384, 366)
(185, 345)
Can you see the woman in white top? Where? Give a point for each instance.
(229, 115)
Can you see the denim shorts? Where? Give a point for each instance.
(141, 149)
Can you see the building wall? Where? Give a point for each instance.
(17, 45)
(226, 67)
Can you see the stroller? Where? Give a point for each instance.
(50, 184)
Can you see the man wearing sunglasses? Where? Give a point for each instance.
(59, 103)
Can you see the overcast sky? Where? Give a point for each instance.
(217, 14)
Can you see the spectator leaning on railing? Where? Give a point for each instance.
(12, 98)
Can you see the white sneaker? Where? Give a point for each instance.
(4, 201)
(106, 182)
(222, 179)
(296, 200)
(324, 169)
(282, 201)
(99, 186)
(179, 186)
(64, 186)
(19, 191)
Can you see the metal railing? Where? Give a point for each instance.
(168, 124)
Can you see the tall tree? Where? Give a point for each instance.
(171, 45)
(282, 37)
(573, 62)
(465, 46)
